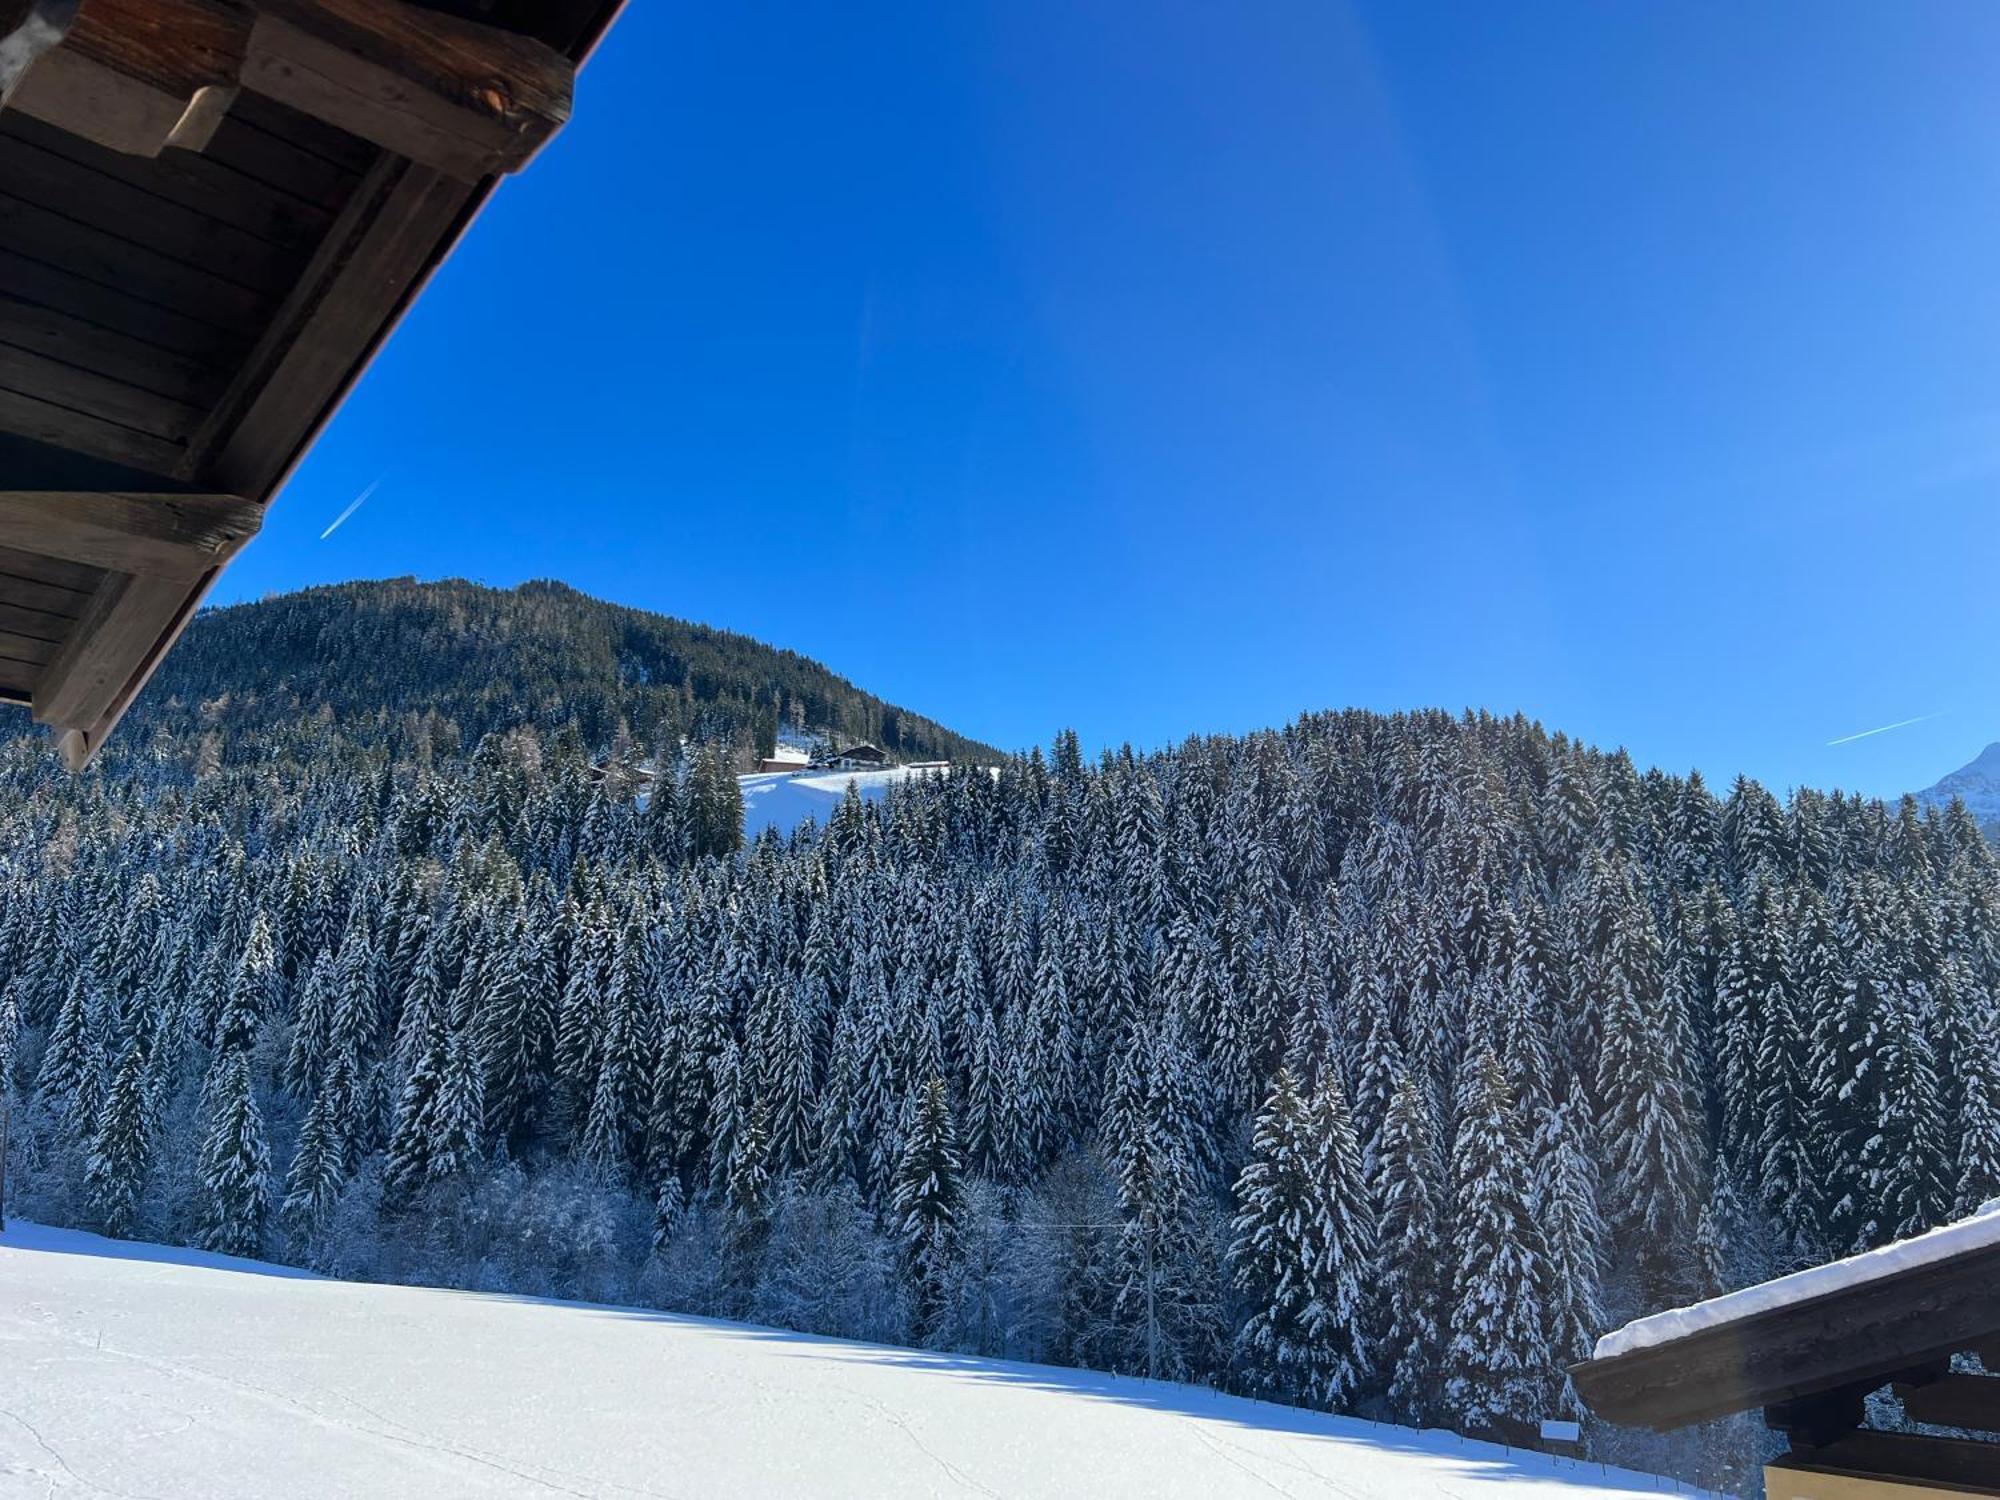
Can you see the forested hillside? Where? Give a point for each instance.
(451, 661)
(1376, 1063)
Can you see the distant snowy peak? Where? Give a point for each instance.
(1978, 783)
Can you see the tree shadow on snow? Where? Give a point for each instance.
(39, 1239)
(1472, 1459)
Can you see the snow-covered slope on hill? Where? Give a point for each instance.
(783, 800)
(1978, 783)
(132, 1370)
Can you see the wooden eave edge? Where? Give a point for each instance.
(80, 742)
(137, 76)
(1706, 1374)
(159, 553)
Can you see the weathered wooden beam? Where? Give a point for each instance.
(1909, 1457)
(1866, 1332)
(180, 537)
(78, 743)
(1958, 1400)
(466, 99)
(125, 618)
(399, 222)
(138, 75)
(1821, 1417)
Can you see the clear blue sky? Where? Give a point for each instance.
(1158, 368)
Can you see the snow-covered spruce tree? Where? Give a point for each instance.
(123, 1148)
(251, 992)
(69, 1086)
(408, 1166)
(320, 1165)
(1498, 1364)
(1652, 1184)
(1977, 1166)
(1566, 1211)
(1414, 1276)
(311, 1027)
(1166, 1309)
(453, 1122)
(1305, 1237)
(748, 1197)
(235, 1162)
(1906, 1166)
(1351, 1251)
(925, 1205)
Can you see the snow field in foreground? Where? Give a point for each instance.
(134, 1370)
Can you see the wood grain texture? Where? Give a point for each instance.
(85, 676)
(80, 431)
(119, 311)
(461, 97)
(279, 165)
(22, 573)
(1868, 1332)
(38, 175)
(162, 536)
(134, 266)
(1953, 1462)
(40, 625)
(29, 648)
(136, 75)
(97, 395)
(208, 187)
(52, 334)
(177, 46)
(17, 680)
(1955, 1400)
(366, 268)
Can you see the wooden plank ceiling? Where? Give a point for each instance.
(211, 214)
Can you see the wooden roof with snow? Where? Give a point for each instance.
(1809, 1347)
(212, 212)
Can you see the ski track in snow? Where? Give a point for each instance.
(147, 1373)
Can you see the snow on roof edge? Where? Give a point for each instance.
(1976, 1232)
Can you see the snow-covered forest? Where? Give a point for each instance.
(1376, 1064)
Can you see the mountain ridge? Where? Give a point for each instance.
(373, 652)
(1976, 783)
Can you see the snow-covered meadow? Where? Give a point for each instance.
(785, 799)
(135, 1370)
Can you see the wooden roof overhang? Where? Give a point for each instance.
(1810, 1363)
(212, 212)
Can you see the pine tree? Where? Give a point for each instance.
(408, 1166)
(1413, 1278)
(251, 992)
(123, 1147)
(235, 1162)
(1566, 1211)
(319, 1168)
(1978, 1162)
(925, 1203)
(1304, 1239)
(748, 1195)
(1498, 1361)
(70, 1082)
(1906, 1166)
(1645, 1121)
(456, 1110)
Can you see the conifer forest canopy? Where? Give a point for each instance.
(1376, 1063)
